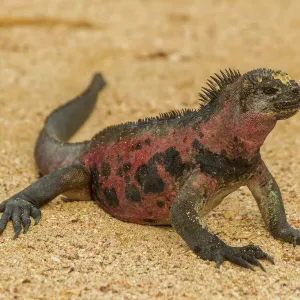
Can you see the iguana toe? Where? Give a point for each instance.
(246, 257)
(19, 211)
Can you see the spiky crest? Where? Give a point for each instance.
(216, 84)
(124, 129)
(173, 114)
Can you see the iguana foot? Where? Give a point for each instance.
(288, 234)
(20, 207)
(246, 256)
(19, 211)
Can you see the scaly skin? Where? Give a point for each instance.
(173, 169)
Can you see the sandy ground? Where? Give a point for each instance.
(155, 55)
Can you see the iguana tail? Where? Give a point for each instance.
(52, 151)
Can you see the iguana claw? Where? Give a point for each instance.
(19, 211)
(243, 256)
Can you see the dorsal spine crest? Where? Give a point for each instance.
(216, 84)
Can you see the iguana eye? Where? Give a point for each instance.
(270, 91)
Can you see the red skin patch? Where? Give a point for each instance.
(147, 208)
(251, 129)
(219, 134)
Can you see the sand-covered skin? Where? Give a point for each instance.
(156, 55)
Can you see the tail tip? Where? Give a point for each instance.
(98, 80)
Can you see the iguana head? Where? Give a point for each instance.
(266, 91)
(271, 92)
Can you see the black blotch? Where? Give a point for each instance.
(201, 135)
(236, 139)
(196, 145)
(173, 162)
(147, 177)
(111, 197)
(119, 158)
(223, 168)
(127, 178)
(95, 192)
(160, 203)
(138, 146)
(148, 141)
(120, 172)
(105, 169)
(132, 193)
(126, 167)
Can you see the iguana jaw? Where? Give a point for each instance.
(286, 109)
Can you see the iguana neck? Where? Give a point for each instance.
(238, 134)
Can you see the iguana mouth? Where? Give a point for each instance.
(287, 105)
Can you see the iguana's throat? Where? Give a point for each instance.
(237, 134)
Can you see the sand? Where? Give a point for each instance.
(156, 55)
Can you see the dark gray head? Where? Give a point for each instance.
(261, 90)
(271, 92)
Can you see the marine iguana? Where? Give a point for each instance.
(170, 169)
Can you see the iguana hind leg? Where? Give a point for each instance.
(187, 219)
(25, 204)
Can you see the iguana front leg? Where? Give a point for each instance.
(199, 194)
(25, 204)
(268, 197)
